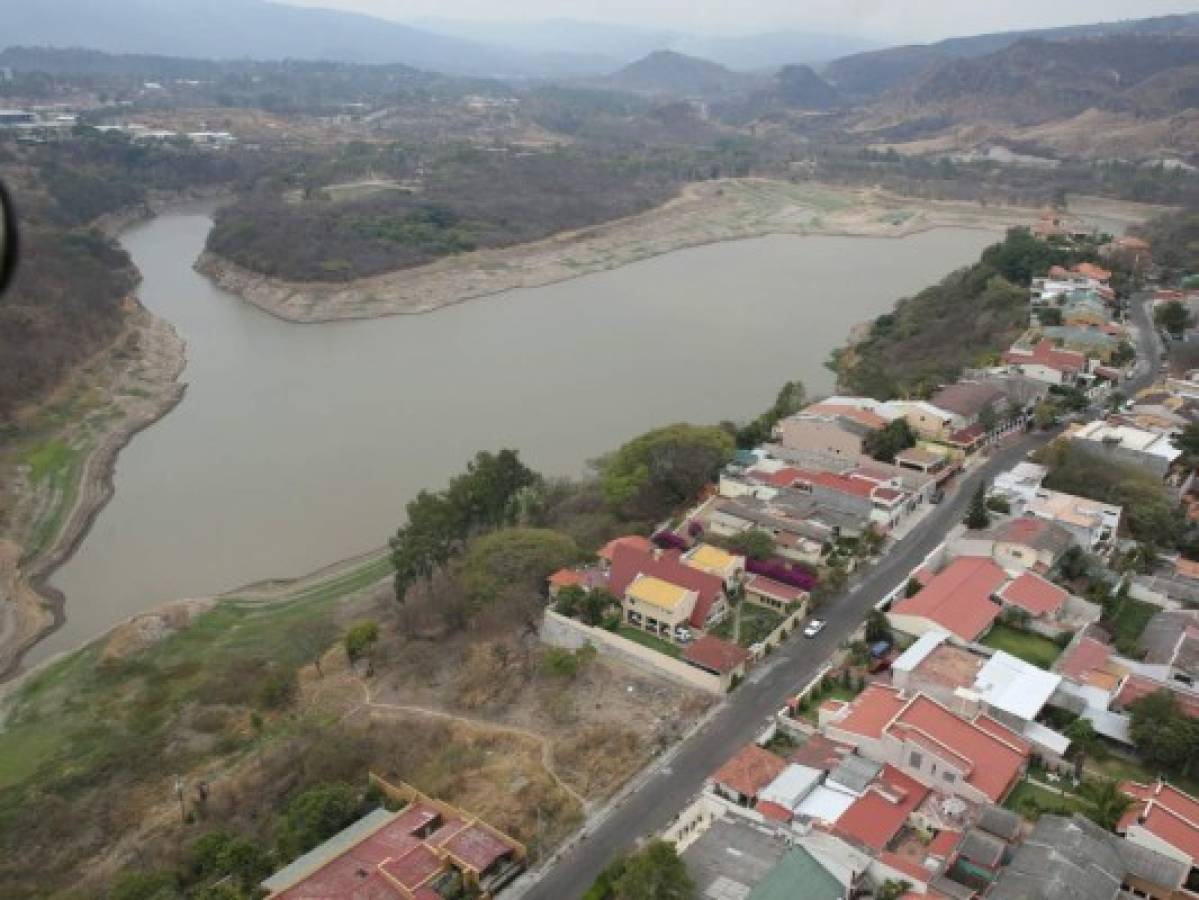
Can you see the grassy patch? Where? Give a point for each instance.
(1130, 619)
(56, 464)
(645, 639)
(756, 623)
(1032, 648)
(1032, 801)
(837, 691)
(48, 460)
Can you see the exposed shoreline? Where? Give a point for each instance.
(704, 213)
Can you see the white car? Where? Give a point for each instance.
(814, 628)
(683, 635)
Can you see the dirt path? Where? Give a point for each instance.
(547, 747)
(703, 213)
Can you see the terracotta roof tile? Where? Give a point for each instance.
(1034, 594)
(716, 655)
(958, 598)
(878, 815)
(750, 770)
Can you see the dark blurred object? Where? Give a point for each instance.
(10, 246)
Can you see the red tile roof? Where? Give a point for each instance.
(871, 710)
(774, 811)
(1165, 812)
(863, 416)
(750, 770)
(414, 868)
(958, 598)
(907, 865)
(995, 754)
(634, 541)
(1035, 594)
(877, 816)
(964, 437)
(566, 578)
(768, 587)
(944, 844)
(715, 655)
(476, 847)
(1047, 354)
(1084, 657)
(628, 562)
(819, 752)
(781, 478)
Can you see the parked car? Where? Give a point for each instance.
(683, 635)
(814, 628)
(938, 495)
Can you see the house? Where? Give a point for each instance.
(923, 459)
(927, 419)
(1075, 859)
(426, 850)
(969, 401)
(1047, 362)
(1027, 543)
(1164, 819)
(658, 606)
(957, 600)
(728, 567)
(629, 562)
(979, 760)
(831, 431)
(877, 497)
(724, 659)
(1093, 525)
(633, 541)
(763, 591)
(1171, 644)
(1019, 485)
(781, 799)
(743, 777)
(1126, 443)
(1007, 689)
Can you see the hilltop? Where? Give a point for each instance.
(668, 72)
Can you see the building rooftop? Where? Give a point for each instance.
(791, 786)
(1046, 353)
(1075, 859)
(798, 874)
(713, 560)
(629, 561)
(1127, 437)
(732, 856)
(854, 773)
(872, 710)
(820, 753)
(752, 769)
(1070, 509)
(1030, 531)
(1165, 812)
(1015, 686)
(633, 541)
(1034, 594)
(715, 655)
(995, 754)
(967, 398)
(958, 598)
(933, 658)
(878, 815)
(768, 587)
(657, 592)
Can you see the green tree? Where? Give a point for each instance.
(753, 543)
(1108, 802)
(1173, 318)
(512, 564)
(892, 889)
(1188, 442)
(360, 638)
(138, 885)
(315, 816)
(877, 627)
(1045, 415)
(884, 443)
(1163, 735)
(977, 516)
(655, 872)
(654, 473)
(791, 399)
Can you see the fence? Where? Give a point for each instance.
(560, 631)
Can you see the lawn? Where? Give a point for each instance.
(645, 639)
(838, 691)
(1047, 801)
(1130, 620)
(756, 623)
(1032, 648)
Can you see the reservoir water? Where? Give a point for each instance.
(298, 445)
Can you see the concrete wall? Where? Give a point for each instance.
(559, 631)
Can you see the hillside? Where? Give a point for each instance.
(234, 29)
(875, 72)
(667, 72)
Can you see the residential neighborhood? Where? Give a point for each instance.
(982, 734)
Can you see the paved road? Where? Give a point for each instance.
(651, 807)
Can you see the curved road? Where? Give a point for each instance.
(652, 805)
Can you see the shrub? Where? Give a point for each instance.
(277, 689)
(315, 816)
(360, 639)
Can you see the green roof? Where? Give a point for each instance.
(798, 874)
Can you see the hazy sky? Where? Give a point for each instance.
(906, 19)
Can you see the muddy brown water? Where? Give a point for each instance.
(298, 445)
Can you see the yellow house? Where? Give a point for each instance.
(715, 561)
(658, 606)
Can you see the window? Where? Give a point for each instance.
(915, 760)
(949, 777)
